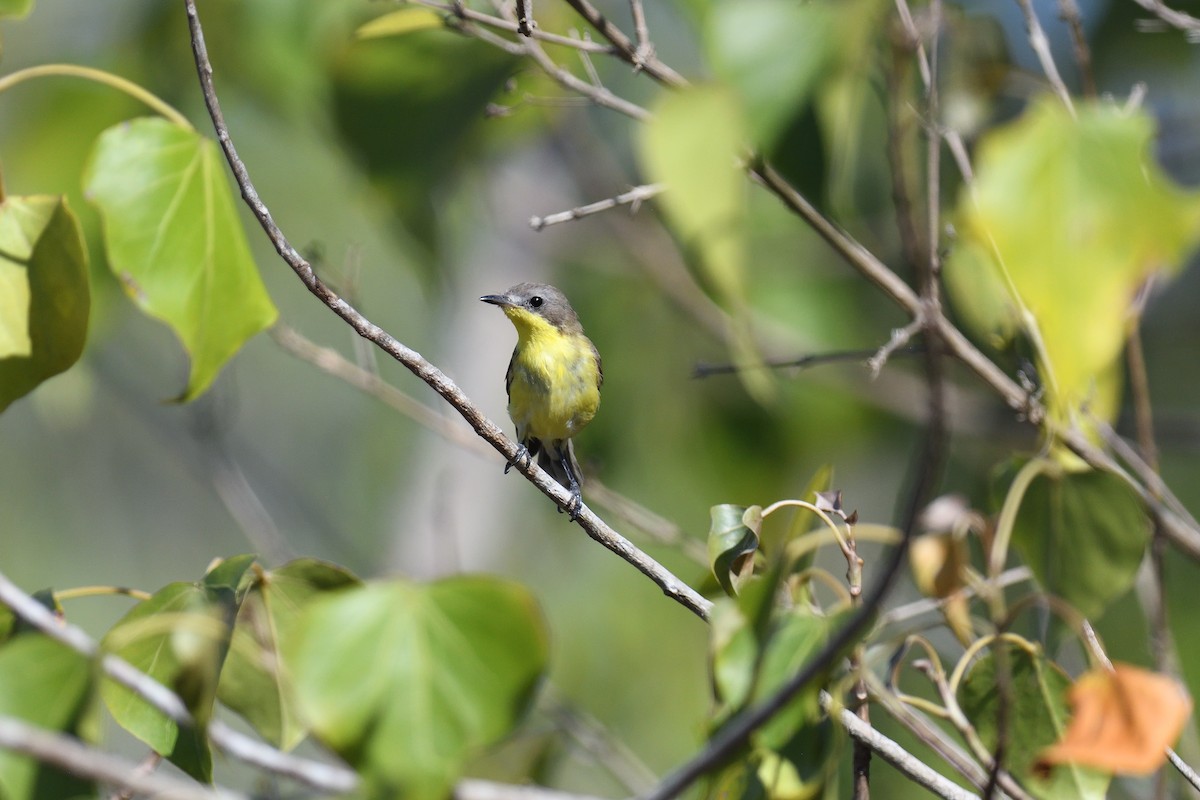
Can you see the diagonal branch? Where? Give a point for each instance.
(73, 756)
(627, 49)
(595, 527)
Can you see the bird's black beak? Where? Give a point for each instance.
(497, 299)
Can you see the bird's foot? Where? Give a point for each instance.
(522, 459)
(574, 505)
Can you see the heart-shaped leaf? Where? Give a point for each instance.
(1037, 715)
(174, 240)
(405, 681)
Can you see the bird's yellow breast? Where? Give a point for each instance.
(553, 381)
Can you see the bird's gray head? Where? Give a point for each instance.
(527, 302)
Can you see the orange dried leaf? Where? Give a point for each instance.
(1121, 721)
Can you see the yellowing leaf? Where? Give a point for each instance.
(938, 561)
(174, 240)
(1122, 721)
(406, 20)
(693, 144)
(1068, 216)
(44, 293)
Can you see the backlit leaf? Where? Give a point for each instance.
(406, 681)
(174, 240)
(44, 293)
(1121, 721)
(15, 8)
(1066, 219)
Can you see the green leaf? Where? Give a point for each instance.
(1066, 219)
(747, 667)
(174, 240)
(1083, 533)
(44, 294)
(772, 52)
(179, 637)
(1037, 716)
(46, 684)
(405, 20)
(253, 682)
(693, 144)
(405, 681)
(15, 8)
(732, 543)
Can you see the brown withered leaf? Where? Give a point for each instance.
(1121, 721)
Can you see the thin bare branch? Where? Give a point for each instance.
(464, 12)
(73, 756)
(908, 764)
(1041, 47)
(626, 49)
(1069, 11)
(633, 198)
(645, 49)
(1176, 19)
(525, 20)
(595, 527)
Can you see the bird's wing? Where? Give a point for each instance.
(599, 368)
(508, 375)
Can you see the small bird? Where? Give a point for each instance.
(553, 381)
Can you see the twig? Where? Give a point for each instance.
(72, 755)
(644, 48)
(1176, 19)
(908, 764)
(928, 604)
(144, 767)
(1041, 47)
(609, 752)
(595, 527)
(525, 20)
(463, 12)
(315, 774)
(1069, 11)
(626, 49)
(633, 198)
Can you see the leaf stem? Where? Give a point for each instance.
(99, 76)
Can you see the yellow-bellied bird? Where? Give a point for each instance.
(553, 380)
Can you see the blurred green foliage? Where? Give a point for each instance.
(407, 169)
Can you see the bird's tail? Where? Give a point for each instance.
(548, 459)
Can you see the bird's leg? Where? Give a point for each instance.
(575, 504)
(524, 456)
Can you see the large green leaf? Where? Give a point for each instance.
(1067, 217)
(179, 637)
(693, 144)
(405, 681)
(1037, 715)
(174, 240)
(772, 52)
(253, 681)
(44, 295)
(1083, 533)
(48, 685)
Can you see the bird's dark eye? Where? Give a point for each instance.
(535, 301)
